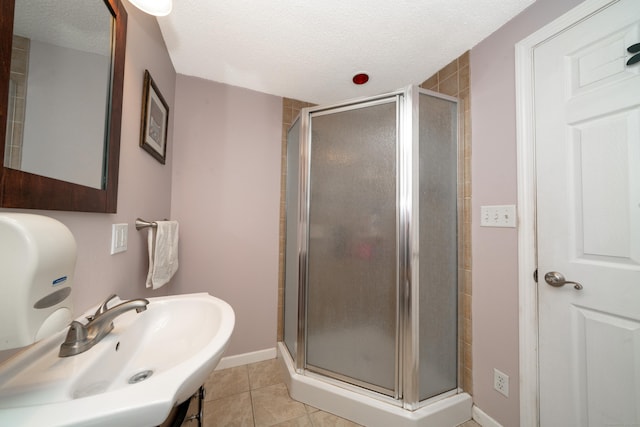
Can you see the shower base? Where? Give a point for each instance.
(367, 410)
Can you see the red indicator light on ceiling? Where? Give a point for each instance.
(360, 78)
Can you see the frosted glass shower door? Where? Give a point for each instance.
(352, 249)
(438, 265)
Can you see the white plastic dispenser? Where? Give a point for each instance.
(37, 262)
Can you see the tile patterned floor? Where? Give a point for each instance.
(255, 395)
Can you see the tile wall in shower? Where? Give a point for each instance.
(453, 80)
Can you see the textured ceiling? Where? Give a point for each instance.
(77, 24)
(310, 50)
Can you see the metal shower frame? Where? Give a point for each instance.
(406, 393)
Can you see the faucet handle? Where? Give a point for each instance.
(76, 339)
(103, 307)
(77, 332)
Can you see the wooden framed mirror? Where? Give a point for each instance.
(23, 185)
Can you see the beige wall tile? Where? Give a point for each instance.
(21, 43)
(448, 70)
(287, 115)
(467, 379)
(463, 78)
(466, 282)
(463, 60)
(431, 83)
(449, 86)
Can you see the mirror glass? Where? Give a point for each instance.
(77, 150)
(59, 90)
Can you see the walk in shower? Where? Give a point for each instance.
(370, 305)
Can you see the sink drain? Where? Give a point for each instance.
(140, 376)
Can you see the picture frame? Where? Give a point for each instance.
(154, 121)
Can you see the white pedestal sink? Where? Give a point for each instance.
(150, 362)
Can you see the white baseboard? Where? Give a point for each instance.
(246, 358)
(482, 418)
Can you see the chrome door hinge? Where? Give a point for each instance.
(535, 275)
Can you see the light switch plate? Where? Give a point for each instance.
(498, 216)
(119, 235)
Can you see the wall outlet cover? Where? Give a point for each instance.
(501, 382)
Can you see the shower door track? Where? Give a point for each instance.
(389, 394)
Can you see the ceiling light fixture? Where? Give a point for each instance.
(360, 78)
(153, 7)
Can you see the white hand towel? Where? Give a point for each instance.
(163, 253)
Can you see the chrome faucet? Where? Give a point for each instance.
(81, 338)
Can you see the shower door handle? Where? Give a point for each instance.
(555, 279)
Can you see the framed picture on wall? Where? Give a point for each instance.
(154, 121)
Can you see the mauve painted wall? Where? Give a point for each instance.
(226, 195)
(495, 256)
(144, 184)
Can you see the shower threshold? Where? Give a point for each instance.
(363, 409)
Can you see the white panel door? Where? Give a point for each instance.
(587, 136)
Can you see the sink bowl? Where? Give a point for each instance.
(150, 362)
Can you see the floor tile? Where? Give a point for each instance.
(266, 373)
(310, 409)
(470, 423)
(272, 405)
(296, 422)
(226, 382)
(232, 411)
(255, 395)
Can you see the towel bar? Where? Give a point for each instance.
(141, 223)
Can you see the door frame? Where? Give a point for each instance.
(526, 179)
